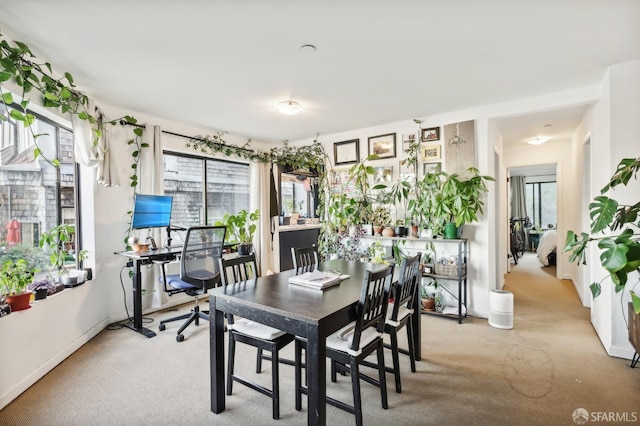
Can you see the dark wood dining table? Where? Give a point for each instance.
(310, 313)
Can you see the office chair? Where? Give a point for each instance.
(305, 259)
(258, 335)
(399, 315)
(349, 346)
(198, 271)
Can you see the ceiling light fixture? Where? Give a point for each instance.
(289, 107)
(538, 140)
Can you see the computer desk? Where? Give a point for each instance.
(138, 259)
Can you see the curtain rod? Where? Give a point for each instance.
(143, 126)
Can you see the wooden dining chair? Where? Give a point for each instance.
(305, 259)
(399, 314)
(349, 346)
(260, 336)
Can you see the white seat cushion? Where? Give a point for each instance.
(341, 340)
(403, 312)
(255, 329)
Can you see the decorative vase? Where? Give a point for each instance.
(401, 231)
(19, 302)
(414, 231)
(388, 232)
(244, 249)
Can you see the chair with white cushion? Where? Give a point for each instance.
(263, 337)
(349, 346)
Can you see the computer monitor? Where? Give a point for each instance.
(151, 211)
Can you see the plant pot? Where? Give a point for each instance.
(388, 232)
(429, 304)
(19, 302)
(401, 231)
(450, 231)
(414, 231)
(377, 230)
(244, 249)
(40, 293)
(367, 229)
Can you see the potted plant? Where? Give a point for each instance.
(15, 276)
(449, 202)
(241, 229)
(379, 219)
(42, 288)
(427, 299)
(615, 228)
(58, 240)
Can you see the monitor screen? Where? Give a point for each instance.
(151, 211)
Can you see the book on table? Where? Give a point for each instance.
(317, 279)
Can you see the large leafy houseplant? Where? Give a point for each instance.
(15, 275)
(615, 227)
(446, 198)
(241, 228)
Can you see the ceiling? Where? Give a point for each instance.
(225, 64)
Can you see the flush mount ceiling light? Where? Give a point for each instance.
(289, 107)
(539, 140)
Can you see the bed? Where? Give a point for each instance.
(547, 247)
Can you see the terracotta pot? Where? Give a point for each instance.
(429, 304)
(388, 232)
(19, 302)
(377, 230)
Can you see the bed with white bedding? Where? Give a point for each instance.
(547, 245)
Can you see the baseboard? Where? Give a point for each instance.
(49, 365)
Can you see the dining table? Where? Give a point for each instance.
(306, 312)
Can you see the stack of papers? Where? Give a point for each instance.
(316, 279)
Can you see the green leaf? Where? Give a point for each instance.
(69, 77)
(595, 289)
(602, 211)
(65, 93)
(5, 76)
(635, 301)
(138, 131)
(55, 162)
(7, 98)
(36, 153)
(614, 255)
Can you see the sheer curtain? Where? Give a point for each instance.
(260, 184)
(518, 196)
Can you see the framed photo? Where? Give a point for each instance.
(407, 140)
(347, 152)
(430, 134)
(383, 174)
(431, 168)
(384, 146)
(407, 173)
(430, 153)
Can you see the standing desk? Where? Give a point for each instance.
(137, 260)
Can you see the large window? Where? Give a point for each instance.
(541, 203)
(204, 189)
(35, 195)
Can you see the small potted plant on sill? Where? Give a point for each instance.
(58, 240)
(42, 288)
(241, 229)
(15, 276)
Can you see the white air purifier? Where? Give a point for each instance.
(501, 309)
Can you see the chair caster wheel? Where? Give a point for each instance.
(180, 337)
(162, 327)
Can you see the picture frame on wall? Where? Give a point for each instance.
(383, 174)
(430, 134)
(431, 153)
(407, 173)
(384, 146)
(346, 152)
(407, 141)
(429, 168)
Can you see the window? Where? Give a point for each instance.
(195, 182)
(35, 195)
(541, 203)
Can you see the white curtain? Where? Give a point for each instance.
(84, 149)
(150, 178)
(518, 197)
(260, 185)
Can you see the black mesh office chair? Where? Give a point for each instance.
(350, 345)
(198, 271)
(305, 259)
(260, 336)
(399, 315)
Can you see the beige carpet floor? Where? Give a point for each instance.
(538, 373)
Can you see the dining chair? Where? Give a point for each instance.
(199, 272)
(399, 314)
(349, 346)
(260, 336)
(305, 259)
